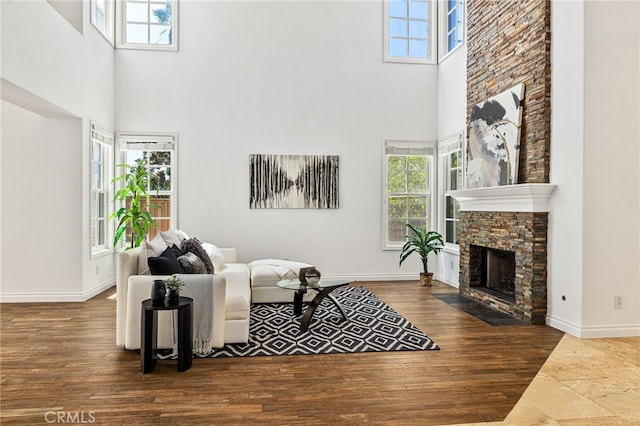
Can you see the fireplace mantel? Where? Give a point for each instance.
(526, 197)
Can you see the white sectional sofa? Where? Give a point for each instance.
(235, 286)
(231, 301)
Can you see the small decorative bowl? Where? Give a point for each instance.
(312, 276)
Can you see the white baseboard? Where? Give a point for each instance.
(594, 331)
(56, 297)
(453, 282)
(375, 277)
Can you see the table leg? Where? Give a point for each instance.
(297, 302)
(149, 336)
(185, 338)
(338, 305)
(306, 319)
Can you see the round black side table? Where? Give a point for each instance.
(149, 333)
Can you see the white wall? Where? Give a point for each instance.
(281, 77)
(54, 82)
(593, 225)
(611, 179)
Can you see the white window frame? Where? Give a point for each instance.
(105, 138)
(445, 148)
(403, 147)
(138, 141)
(109, 21)
(444, 29)
(432, 56)
(121, 28)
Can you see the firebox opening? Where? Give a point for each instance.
(496, 272)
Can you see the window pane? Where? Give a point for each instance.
(453, 180)
(101, 232)
(102, 206)
(396, 162)
(450, 236)
(397, 182)
(418, 29)
(418, 10)
(137, 12)
(96, 151)
(160, 178)
(397, 207)
(160, 13)
(417, 207)
(398, 8)
(398, 28)
(452, 20)
(137, 33)
(416, 182)
(417, 48)
(396, 231)
(398, 48)
(96, 176)
(417, 162)
(160, 34)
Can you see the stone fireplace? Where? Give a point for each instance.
(509, 43)
(503, 248)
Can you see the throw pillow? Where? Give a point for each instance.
(170, 237)
(192, 264)
(176, 250)
(181, 235)
(152, 248)
(215, 254)
(165, 264)
(194, 246)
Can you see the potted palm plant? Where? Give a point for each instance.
(133, 215)
(422, 242)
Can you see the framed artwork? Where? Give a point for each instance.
(494, 140)
(293, 181)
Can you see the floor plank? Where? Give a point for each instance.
(61, 357)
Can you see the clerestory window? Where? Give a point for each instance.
(451, 26)
(409, 31)
(148, 24)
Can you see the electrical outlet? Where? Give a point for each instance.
(97, 270)
(617, 302)
(451, 265)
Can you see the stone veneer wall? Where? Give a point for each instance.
(526, 235)
(509, 42)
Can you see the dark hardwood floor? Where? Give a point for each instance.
(60, 359)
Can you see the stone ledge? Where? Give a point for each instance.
(526, 197)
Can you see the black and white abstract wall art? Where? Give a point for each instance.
(494, 140)
(293, 181)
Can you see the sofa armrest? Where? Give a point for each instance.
(139, 289)
(126, 266)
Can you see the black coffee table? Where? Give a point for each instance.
(323, 287)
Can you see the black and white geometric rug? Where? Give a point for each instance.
(372, 327)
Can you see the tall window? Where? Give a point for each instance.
(101, 175)
(408, 185)
(159, 153)
(409, 31)
(148, 24)
(102, 17)
(452, 25)
(451, 172)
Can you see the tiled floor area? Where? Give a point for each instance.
(584, 382)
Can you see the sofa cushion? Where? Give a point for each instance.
(215, 254)
(165, 264)
(170, 237)
(238, 297)
(192, 264)
(194, 246)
